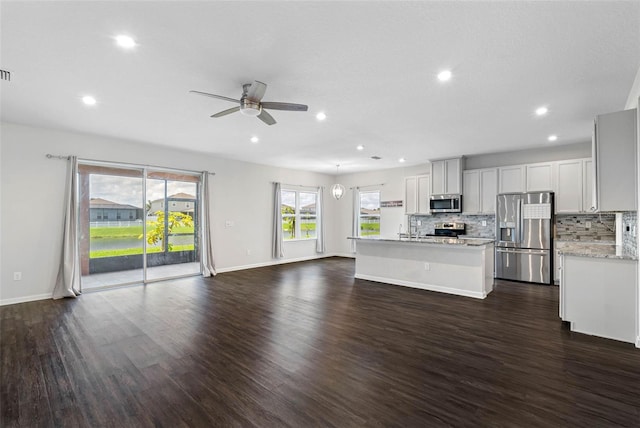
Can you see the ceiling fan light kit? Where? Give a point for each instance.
(250, 103)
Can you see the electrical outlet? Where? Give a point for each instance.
(17, 276)
(484, 222)
(587, 224)
(419, 222)
(248, 252)
(427, 266)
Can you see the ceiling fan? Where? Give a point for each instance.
(251, 103)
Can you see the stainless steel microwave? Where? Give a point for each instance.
(445, 203)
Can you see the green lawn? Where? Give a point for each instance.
(127, 231)
(133, 251)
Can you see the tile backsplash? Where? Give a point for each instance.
(473, 222)
(629, 237)
(569, 227)
(573, 227)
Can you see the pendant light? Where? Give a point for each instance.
(337, 190)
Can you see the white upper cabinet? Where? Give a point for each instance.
(410, 195)
(587, 186)
(512, 179)
(424, 189)
(569, 186)
(488, 190)
(614, 154)
(539, 177)
(480, 188)
(446, 176)
(416, 194)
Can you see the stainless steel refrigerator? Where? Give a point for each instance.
(524, 237)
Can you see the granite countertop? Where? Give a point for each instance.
(430, 240)
(607, 250)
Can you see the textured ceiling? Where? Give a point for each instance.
(371, 66)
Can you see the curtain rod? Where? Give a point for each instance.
(50, 156)
(366, 185)
(296, 185)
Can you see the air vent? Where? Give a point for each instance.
(376, 157)
(5, 75)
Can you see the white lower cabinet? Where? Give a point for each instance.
(598, 296)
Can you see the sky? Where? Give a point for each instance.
(128, 190)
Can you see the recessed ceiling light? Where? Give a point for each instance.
(89, 100)
(254, 139)
(444, 75)
(541, 111)
(360, 147)
(321, 116)
(401, 160)
(552, 137)
(125, 42)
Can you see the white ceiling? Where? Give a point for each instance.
(371, 66)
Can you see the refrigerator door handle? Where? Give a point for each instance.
(519, 230)
(521, 251)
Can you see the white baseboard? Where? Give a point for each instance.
(430, 287)
(348, 255)
(33, 298)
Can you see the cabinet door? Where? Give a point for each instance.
(453, 176)
(424, 188)
(488, 190)
(438, 178)
(511, 179)
(471, 196)
(587, 186)
(539, 177)
(569, 191)
(410, 189)
(616, 161)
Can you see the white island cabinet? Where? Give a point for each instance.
(598, 291)
(448, 265)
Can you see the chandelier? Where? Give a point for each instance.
(337, 190)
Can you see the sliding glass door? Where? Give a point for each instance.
(136, 225)
(173, 224)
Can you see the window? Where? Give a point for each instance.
(298, 214)
(370, 213)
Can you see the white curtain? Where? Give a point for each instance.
(68, 281)
(320, 247)
(355, 217)
(277, 222)
(208, 263)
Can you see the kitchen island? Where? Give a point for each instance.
(448, 265)
(598, 290)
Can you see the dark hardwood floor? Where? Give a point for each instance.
(306, 344)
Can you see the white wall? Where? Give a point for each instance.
(32, 197)
(634, 94)
(392, 190)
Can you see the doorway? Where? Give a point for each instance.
(137, 225)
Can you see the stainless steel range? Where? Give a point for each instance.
(448, 229)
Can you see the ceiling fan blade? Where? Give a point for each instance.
(284, 106)
(226, 112)
(266, 118)
(220, 97)
(256, 91)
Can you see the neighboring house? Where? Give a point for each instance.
(104, 210)
(182, 202)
